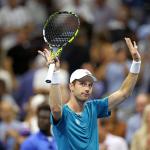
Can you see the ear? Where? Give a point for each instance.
(71, 87)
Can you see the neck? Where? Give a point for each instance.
(75, 104)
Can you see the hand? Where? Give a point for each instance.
(49, 58)
(133, 49)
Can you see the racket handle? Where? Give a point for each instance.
(50, 73)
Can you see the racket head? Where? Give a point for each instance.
(60, 29)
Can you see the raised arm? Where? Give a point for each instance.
(55, 100)
(130, 81)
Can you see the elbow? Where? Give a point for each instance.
(56, 109)
(126, 94)
(56, 112)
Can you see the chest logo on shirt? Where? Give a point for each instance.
(77, 121)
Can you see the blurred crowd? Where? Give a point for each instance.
(99, 47)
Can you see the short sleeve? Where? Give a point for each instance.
(101, 107)
(61, 122)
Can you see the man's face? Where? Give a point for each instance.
(141, 102)
(6, 113)
(82, 88)
(44, 120)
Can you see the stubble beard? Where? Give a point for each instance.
(80, 101)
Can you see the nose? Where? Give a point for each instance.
(87, 89)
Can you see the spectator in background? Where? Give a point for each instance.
(6, 72)
(143, 34)
(42, 139)
(10, 127)
(119, 26)
(38, 11)
(115, 125)
(4, 95)
(102, 54)
(21, 58)
(20, 66)
(83, 8)
(134, 122)
(6, 77)
(118, 66)
(114, 4)
(13, 19)
(30, 119)
(102, 15)
(141, 138)
(2, 147)
(109, 141)
(2, 2)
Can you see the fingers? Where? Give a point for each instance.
(131, 46)
(46, 56)
(129, 43)
(41, 53)
(47, 52)
(49, 57)
(133, 49)
(135, 45)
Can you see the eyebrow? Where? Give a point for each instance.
(84, 81)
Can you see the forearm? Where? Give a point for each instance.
(124, 91)
(128, 84)
(55, 101)
(130, 81)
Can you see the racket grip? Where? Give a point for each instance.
(49, 76)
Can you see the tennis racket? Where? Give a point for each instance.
(60, 29)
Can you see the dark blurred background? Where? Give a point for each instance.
(99, 47)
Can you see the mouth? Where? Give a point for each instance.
(85, 94)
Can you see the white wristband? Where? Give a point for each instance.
(55, 78)
(135, 67)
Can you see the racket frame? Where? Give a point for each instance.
(51, 68)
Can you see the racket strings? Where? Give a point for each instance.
(60, 29)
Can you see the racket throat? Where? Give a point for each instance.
(56, 51)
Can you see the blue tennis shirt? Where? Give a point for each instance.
(80, 132)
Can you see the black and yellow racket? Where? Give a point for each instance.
(60, 29)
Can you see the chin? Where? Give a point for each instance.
(81, 100)
(84, 99)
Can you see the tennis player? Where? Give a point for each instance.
(75, 123)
